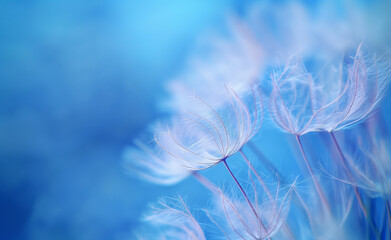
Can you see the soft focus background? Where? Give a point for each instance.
(78, 81)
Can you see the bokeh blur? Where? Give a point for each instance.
(79, 80)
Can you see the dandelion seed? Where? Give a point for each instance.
(174, 220)
(208, 136)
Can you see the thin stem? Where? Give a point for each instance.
(344, 165)
(205, 182)
(317, 186)
(243, 192)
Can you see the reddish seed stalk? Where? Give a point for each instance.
(317, 186)
(243, 192)
(344, 165)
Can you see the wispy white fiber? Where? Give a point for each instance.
(151, 163)
(209, 132)
(175, 221)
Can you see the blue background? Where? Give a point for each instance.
(78, 81)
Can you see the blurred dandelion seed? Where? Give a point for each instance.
(175, 218)
(151, 163)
